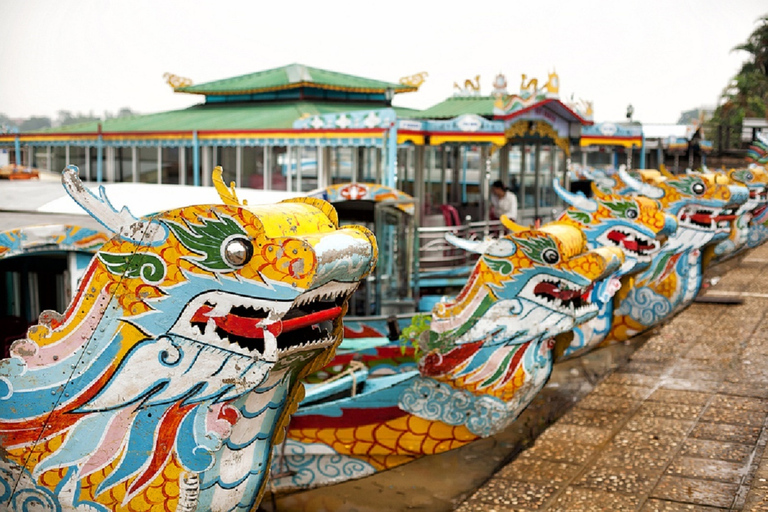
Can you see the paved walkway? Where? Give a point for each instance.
(682, 426)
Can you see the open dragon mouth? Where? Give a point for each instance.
(759, 195)
(246, 326)
(632, 242)
(560, 295)
(757, 212)
(707, 219)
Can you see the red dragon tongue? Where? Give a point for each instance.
(701, 218)
(248, 327)
(545, 288)
(725, 217)
(623, 240)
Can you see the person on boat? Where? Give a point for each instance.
(503, 201)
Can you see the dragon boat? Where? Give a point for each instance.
(637, 225)
(705, 211)
(178, 363)
(484, 356)
(747, 227)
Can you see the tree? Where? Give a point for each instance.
(35, 123)
(747, 93)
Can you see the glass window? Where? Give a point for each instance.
(529, 177)
(307, 168)
(253, 167)
(147, 160)
(341, 165)
(171, 166)
(278, 165)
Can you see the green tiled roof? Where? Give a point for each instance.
(293, 76)
(233, 116)
(459, 105)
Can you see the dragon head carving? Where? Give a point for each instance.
(704, 208)
(526, 288)
(179, 361)
(636, 225)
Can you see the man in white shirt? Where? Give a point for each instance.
(503, 201)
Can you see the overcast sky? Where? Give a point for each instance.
(662, 56)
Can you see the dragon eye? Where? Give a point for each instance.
(631, 213)
(238, 251)
(750, 177)
(550, 256)
(698, 188)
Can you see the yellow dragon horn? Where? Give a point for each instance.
(512, 225)
(664, 172)
(227, 194)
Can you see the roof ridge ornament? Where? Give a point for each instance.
(176, 81)
(414, 80)
(471, 88)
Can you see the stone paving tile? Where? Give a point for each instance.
(706, 386)
(606, 403)
(694, 375)
(732, 388)
(658, 426)
(564, 433)
(622, 391)
(733, 416)
(633, 458)
(632, 379)
(645, 441)
(555, 451)
(756, 502)
(740, 402)
(720, 450)
(593, 500)
(537, 470)
(633, 481)
(643, 368)
(723, 432)
(699, 492)
(498, 492)
(676, 411)
(680, 397)
(655, 505)
(593, 418)
(705, 469)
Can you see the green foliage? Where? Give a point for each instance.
(746, 95)
(410, 336)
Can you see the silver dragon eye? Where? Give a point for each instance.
(238, 251)
(550, 256)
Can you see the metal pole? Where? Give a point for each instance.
(159, 164)
(392, 156)
(195, 159)
(239, 165)
(99, 157)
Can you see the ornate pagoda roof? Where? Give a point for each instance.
(294, 76)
